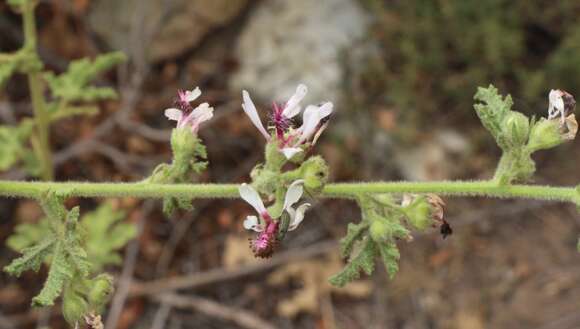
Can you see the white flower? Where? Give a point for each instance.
(259, 224)
(311, 119)
(280, 116)
(556, 107)
(185, 114)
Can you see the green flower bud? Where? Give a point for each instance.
(423, 211)
(516, 128)
(183, 144)
(545, 134)
(74, 306)
(100, 290)
(315, 174)
(274, 158)
(418, 211)
(380, 230)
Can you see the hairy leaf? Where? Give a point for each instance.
(28, 234)
(105, 234)
(32, 257)
(363, 261)
(390, 256)
(354, 233)
(492, 110)
(12, 143)
(60, 272)
(73, 84)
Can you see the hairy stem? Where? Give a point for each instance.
(36, 94)
(341, 190)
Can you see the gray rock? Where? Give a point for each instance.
(177, 25)
(290, 41)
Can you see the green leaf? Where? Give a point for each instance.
(70, 111)
(390, 256)
(105, 235)
(32, 257)
(491, 111)
(26, 235)
(60, 272)
(354, 233)
(12, 146)
(73, 85)
(6, 70)
(364, 261)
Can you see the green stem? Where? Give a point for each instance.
(341, 190)
(36, 94)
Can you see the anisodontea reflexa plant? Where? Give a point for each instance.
(76, 248)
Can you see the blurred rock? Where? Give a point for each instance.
(290, 41)
(434, 159)
(178, 25)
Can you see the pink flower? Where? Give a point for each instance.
(185, 114)
(267, 240)
(290, 140)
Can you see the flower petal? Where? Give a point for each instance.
(252, 197)
(309, 126)
(252, 113)
(325, 110)
(289, 152)
(201, 114)
(308, 112)
(252, 223)
(292, 108)
(173, 114)
(296, 216)
(556, 103)
(191, 95)
(294, 193)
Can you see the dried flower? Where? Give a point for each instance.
(424, 211)
(267, 227)
(561, 104)
(290, 140)
(185, 114)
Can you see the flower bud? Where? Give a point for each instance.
(274, 158)
(545, 134)
(516, 128)
(418, 211)
(74, 306)
(424, 211)
(315, 173)
(183, 144)
(380, 230)
(100, 290)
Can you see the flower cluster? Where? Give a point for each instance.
(267, 226)
(185, 114)
(291, 140)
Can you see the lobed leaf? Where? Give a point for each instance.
(60, 272)
(354, 233)
(72, 85)
(32, 257)
(105, 234)
(26, 235)
(390, 256)
(363, 261)
(492, 111)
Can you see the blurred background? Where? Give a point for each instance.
(402, 75)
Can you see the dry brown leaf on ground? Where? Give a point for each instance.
(237, 252)
(313, 274)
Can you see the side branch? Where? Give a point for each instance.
(340, 190)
